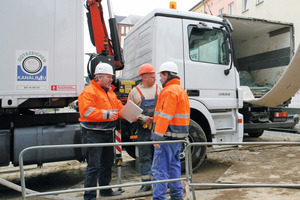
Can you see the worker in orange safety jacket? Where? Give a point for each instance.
(98, 108)
(171, 122)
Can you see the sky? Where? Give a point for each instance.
(143, 7)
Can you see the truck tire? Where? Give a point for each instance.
(255, 132)
(196, 134)
(128, 129)
(130, 150)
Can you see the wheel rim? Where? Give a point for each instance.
(183, 148)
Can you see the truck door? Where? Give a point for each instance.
(205, 60)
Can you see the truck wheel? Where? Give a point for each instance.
(255, 132)
(127, 130)
(196, 134)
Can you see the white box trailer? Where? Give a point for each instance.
(41, 52)
(42, 66)
(264, 49)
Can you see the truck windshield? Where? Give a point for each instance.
(207, 45)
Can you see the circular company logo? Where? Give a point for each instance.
(32, 64)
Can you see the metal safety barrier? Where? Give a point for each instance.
(189, 171)
(22, 175)
(188, 164)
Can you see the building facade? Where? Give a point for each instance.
(215, 7)
(277, 10)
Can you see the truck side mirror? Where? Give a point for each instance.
(228, 50)
(227, 44)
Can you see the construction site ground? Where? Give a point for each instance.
(248, 164)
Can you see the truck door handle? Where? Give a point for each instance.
(193, 93)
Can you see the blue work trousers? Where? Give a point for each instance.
(145, 154)
(166, 165)
(99, 161)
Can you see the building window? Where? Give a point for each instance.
(231, 8)
(122, 41)
(122, 30)
(127, 29)
(245, 5)
(221, 11)
(259, 1)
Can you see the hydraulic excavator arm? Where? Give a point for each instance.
(108, 49)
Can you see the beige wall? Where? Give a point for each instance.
(199, 9)
(277, 10)
(214, 6)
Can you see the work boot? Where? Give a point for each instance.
(111, 193)
(144, 188)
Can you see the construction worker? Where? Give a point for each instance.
(98, 107)
(171, 122)
(145, 95)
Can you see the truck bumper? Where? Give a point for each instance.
(269, 125)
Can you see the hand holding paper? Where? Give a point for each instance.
(130, 111)
(112, 114)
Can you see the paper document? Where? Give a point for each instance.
(130, 110)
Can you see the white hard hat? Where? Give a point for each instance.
(104, 68)
(169, 66)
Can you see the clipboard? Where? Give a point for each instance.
(130, 110)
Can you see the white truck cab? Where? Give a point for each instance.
(201, 47)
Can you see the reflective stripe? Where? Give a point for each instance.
(97, 129)
(174, 131)
(172, 134)
(164, 115)
(184, 116)
(176, 135)
(105, 114)
(161, 135)
(88, 112)
(109, 125)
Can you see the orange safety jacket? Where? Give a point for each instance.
(94, 106)
(172, 112)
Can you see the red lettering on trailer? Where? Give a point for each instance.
(63, 87)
